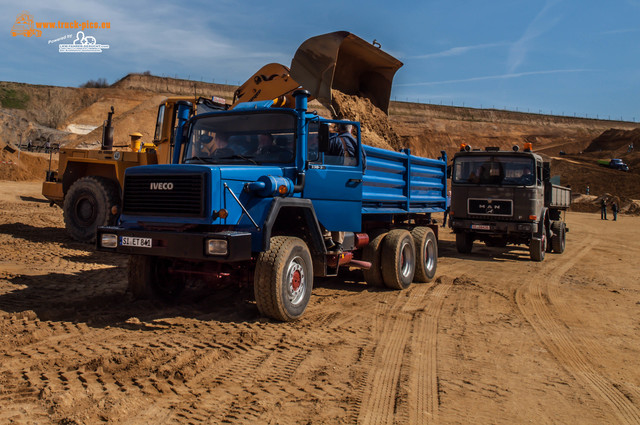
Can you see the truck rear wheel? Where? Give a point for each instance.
(558, 240)
(373, 254)
(284, 279)
(88, 204)
(398, 259)
(464, 242)
(426, 253)
(149, 278)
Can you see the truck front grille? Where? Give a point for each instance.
(490, 207)
(164, 195)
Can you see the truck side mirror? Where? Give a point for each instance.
(546, 171)
(323, 137)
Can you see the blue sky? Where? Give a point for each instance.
(553, 56)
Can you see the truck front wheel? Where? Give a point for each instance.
(559, 236)
(87, 205)
(398, 259)
(149, 277)
(426, 252)
(538, 247)
(284, 279)
(464, 242)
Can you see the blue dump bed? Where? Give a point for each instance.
(398, 182)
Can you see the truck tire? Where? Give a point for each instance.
(148, 277)
(88, 204)
(538, 247)
(464, 242)
(426, 254)
(373, 254)
(558, 240)
(398, 259)
(283, 279)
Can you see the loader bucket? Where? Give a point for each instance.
(343, 61)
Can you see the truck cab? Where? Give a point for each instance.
(501, 197)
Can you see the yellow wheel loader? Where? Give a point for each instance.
(88, 183)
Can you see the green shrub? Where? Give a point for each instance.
(100, 83)
(13, 99)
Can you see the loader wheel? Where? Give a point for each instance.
(149, 278)
(558, 240)
(372, 253)
(464, 242)
(284, 279)
(398, 259)
(426, 253)
(88, 204)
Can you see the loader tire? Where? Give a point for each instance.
(148, 278)
(283, 279)
(558, 240)
(398, 259)
(426, 254)
(372, 253)
(88, 204)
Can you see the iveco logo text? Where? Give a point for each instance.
(161, 186)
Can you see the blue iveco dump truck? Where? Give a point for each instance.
(265, 215)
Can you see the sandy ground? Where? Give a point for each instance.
(495, 339)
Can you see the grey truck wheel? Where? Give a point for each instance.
(558, 240)
(372, 253)
(464, 242)
(283, 279)
(149, 277)
(398, 259)
(88, 204)
(426, 253)
(538, 247)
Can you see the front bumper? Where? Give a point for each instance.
(172, 244)
(493, 227)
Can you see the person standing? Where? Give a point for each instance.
(614, 210)
(587, 189)
(603, 209)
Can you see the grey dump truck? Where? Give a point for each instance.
(507, 197)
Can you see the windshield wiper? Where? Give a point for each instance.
(238, 156)
(203, 159)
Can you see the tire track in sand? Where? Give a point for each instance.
(533, 300)
(415, 319)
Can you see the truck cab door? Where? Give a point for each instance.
(333, 186)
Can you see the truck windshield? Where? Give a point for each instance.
(500, 170)
(240, 138)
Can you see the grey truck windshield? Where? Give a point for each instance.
(499, 170)
(242, 138)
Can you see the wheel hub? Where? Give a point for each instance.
(296, 281)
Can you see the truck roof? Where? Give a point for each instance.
(478, 152)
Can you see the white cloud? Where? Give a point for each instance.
(494, 77)
(456, 51)
(540, 25)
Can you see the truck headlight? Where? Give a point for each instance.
(109, 240)
(216, 247)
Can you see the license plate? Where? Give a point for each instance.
(481, 227)
(138, 242)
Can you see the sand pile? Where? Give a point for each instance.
(28, 167)
(591, 203)
(376, 127)
(615, 140)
